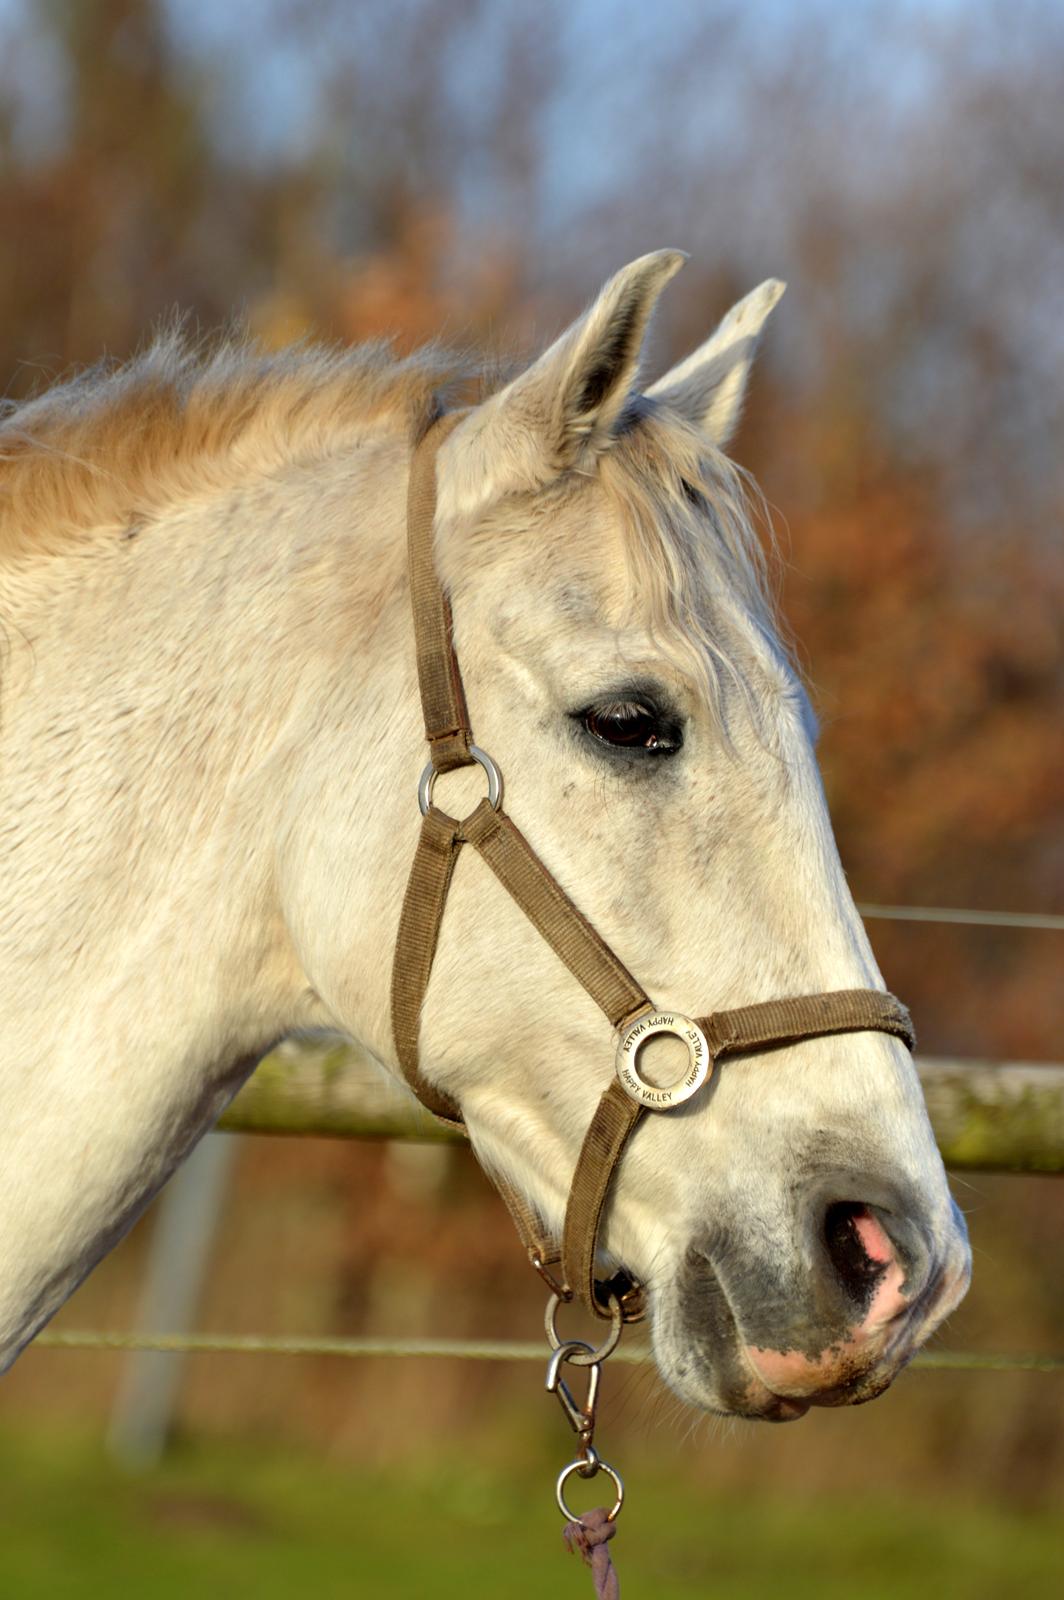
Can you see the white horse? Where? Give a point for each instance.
(209, 749)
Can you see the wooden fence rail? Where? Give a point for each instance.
(988, 1116)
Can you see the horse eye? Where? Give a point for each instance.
(631, 725)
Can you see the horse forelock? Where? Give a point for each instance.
(116, 443)
(699, 546)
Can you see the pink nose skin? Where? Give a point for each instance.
(790, 1373)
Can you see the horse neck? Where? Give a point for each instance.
(162, 698)
(159, 692)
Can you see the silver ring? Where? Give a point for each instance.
(635, 1036)
(427, 781)
(580, 1465)
(585, 1356)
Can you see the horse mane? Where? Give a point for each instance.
(116, 443)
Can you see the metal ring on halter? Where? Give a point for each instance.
(587, 1466)
(588, 1357)
(427, 781)
(635, 1036)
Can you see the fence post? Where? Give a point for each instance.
(185, 1223)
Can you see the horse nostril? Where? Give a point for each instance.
(858, 1248)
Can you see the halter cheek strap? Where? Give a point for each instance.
(500, 843)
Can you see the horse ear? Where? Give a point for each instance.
(587, 377)
(563, 409)
(709, 387)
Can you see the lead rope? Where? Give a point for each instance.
(589, 1538)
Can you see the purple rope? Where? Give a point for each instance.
(589, 1537)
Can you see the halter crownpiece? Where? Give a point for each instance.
(633, 1015)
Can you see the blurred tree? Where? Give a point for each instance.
(103, 222)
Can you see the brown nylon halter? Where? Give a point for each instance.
(572, 938)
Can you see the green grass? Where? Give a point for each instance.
(269, 1523)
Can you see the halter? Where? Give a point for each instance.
(631, 1013)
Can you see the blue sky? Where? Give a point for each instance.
(615, 61)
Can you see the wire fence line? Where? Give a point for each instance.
(462, 1349)
(964, 916)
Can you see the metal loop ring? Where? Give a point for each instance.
(427, 781)
(580, 1465)
(635, 1036)
(586, 1357)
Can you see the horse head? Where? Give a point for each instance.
(792, 1225)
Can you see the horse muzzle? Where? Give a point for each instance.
(743, 1337)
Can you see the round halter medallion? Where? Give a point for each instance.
(635, 1037)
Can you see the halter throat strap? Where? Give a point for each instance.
(502, 846)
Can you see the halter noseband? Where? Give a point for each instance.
(572, 938)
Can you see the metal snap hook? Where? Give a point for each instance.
(581, 1417)
(427, 781)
